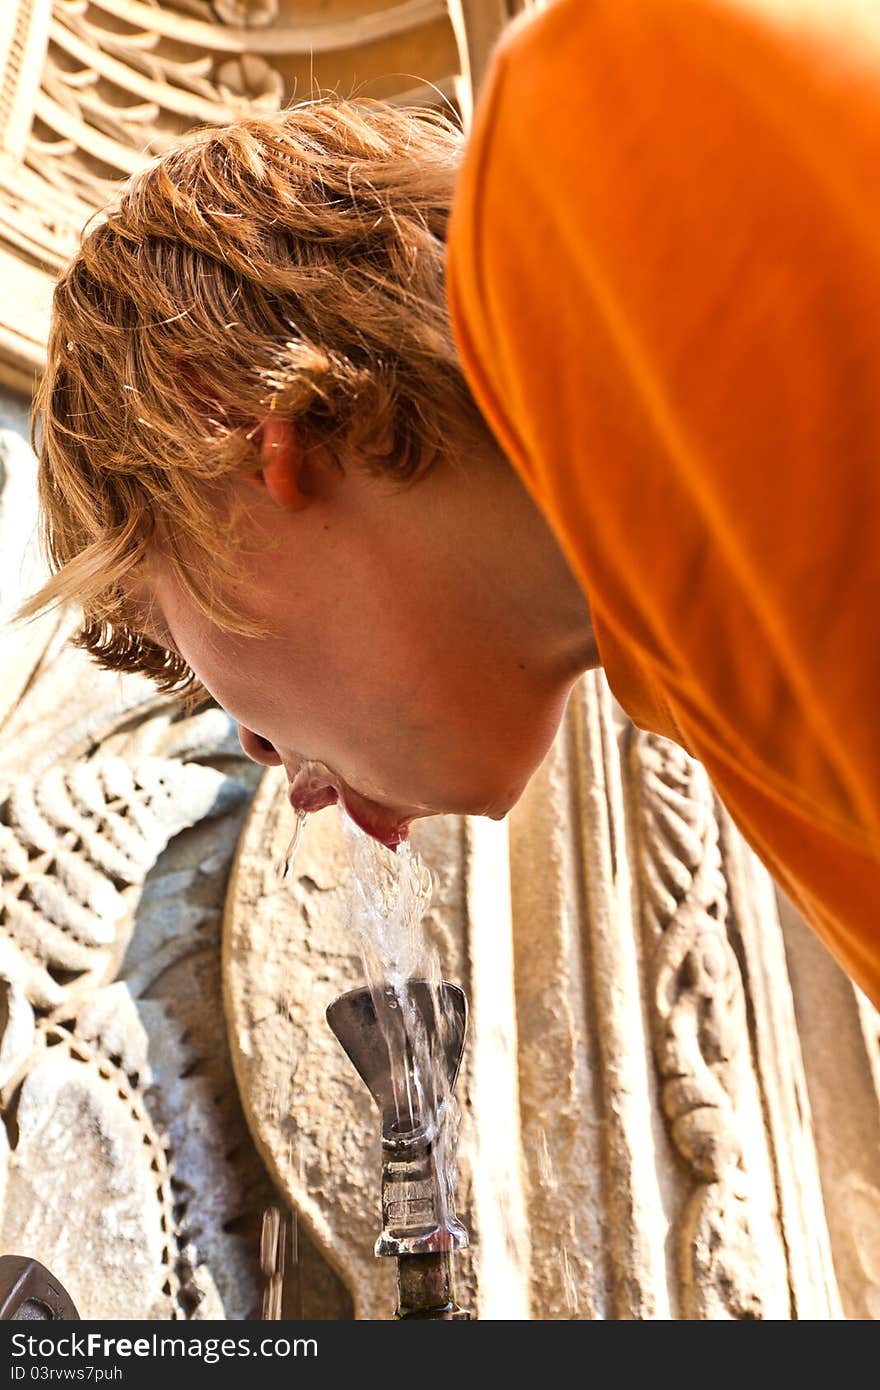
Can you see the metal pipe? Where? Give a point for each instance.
(425, 1288)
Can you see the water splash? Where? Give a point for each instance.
(391, 893)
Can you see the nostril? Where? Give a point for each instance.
(257, 748)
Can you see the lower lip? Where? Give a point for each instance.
(389, 836)
(365, 815)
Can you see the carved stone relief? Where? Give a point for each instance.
(731, 1256)
(672, 1209)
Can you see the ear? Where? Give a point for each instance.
(281, 460)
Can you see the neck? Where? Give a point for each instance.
(548, 613)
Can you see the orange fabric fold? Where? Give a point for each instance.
(664, 279)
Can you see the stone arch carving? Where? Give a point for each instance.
(90, 89)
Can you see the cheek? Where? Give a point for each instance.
(343, 671)
(301, 697)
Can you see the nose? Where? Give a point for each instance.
(257, 748)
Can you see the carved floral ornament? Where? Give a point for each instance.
(732, 1261)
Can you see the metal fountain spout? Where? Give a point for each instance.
(400, 1042)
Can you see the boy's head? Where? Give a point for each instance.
(262, 470)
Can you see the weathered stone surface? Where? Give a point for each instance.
(79, 842)
(564, 1136)
(173, 967)
(87, 1188)
(840, 1038)
(75, 846)
(16, 1017)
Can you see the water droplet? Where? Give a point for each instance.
(284, 866)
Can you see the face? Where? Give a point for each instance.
(401, 667)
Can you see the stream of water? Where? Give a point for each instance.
(390, 894)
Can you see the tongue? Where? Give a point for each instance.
(319, 798)
(312, 791)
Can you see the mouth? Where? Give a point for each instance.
(308, 792)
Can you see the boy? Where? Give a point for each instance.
(263, 468)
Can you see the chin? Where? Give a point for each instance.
(459, 805)
(488, 791)
(498, 805)
(499, 809)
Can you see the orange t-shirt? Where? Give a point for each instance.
(664, 278)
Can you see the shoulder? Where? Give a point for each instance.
(572, 43)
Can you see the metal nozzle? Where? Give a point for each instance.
(419, 1225)
(29, 1292)
(382, 1052)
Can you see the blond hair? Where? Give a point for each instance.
(291, 263)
